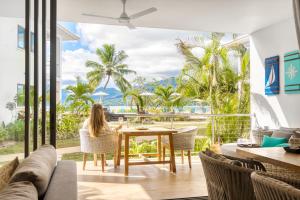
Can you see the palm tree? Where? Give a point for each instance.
(205, 73)
(80, 96)
(166, 97)
(136, 98)
(111, 67)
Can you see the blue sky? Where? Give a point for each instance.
(152, 52)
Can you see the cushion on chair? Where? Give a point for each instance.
(6, 171)
(273, 141)
(222, 158)
(23, 190)
(37, 168)
(282, 134)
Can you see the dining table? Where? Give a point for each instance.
(273, 155)
(159, 132)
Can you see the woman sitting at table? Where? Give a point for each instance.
(96, 126)
(96, 123)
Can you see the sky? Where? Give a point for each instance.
(152, 53)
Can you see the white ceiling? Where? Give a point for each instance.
(239, 16)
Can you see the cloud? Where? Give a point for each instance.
(152, 52)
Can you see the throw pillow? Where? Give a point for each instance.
(283, 145)
(272, 141)
(6, 172)
(282, 134)
(19, 191)
(37, 168)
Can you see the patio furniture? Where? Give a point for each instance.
(105, 143)
(159, 132)
(183, 140)
(228, 178)
(269, 187)
(273, 155)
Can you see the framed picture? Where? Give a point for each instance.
(292, 72)
(272, 82)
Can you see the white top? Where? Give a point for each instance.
(105, 129)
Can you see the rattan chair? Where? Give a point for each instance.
(226, 181)
(105, 143)
(274, 187)
(183, 140)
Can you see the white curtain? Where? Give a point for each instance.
(296, 7)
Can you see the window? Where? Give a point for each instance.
(20, 98)
(21, 37)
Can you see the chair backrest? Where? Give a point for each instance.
(226, 181)
(269, 188)
(185, 138)
(105, 143)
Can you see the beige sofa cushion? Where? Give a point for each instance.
(6, 172)
(23, 190)
(37, 168)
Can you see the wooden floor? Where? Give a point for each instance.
(143, 182)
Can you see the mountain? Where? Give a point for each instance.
(115, 97)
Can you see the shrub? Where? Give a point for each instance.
(15, 130)
(68, 126)
(3, 134)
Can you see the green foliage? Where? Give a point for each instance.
(211, 78)
(68, 126)
(15, 130)
(80, 97)
(167, 98)
(111, 66)
(201, 144)
(3, 134)
(136, 98)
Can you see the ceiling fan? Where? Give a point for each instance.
(124, 17)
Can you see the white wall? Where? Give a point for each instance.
(282, 109)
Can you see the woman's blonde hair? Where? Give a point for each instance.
(97, 120)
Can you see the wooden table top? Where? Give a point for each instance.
(150, 131)
(274, 155)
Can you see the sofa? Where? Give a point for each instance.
(41, 176)
(292, 135)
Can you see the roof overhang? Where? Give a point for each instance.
(238, 16)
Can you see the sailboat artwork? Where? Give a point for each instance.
(272, 76)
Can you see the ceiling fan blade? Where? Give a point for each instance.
(99, 16)
(143, 13)
(130, 26)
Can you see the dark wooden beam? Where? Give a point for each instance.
(44, 71)
(53, 67)
(27, 78)
(36, 75)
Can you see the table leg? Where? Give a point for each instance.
(126, 154)
(119, 149)
(159, 147)
(172, 154)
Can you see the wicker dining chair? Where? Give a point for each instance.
(183, 140)
(273, 187)
(105, 143)
(229, 179)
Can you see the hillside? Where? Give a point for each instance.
(115, 97)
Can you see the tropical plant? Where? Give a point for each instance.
(15, 130)
(136, 98)
(111, 67)
(167, 98)
(210, 77)
(80, 96)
